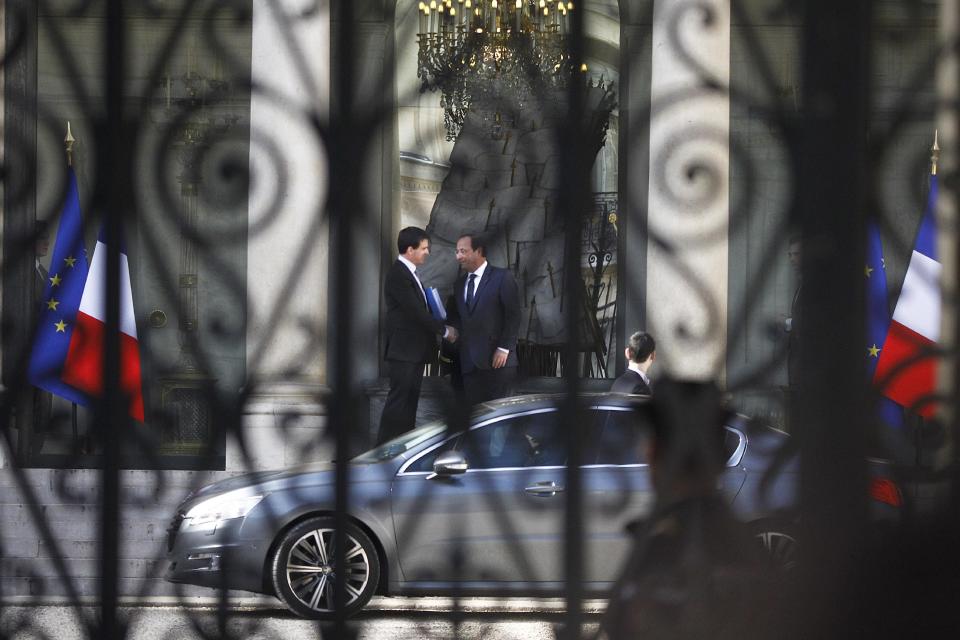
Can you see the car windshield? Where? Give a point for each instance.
(401, 444)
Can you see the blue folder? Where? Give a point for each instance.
(436, 306)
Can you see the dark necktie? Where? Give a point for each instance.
(470, 289)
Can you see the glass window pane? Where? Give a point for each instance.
(524, 441)
(622, 439)
(426, 462)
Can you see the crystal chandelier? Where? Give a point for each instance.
(476, 52)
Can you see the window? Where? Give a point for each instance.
(532, 440)
(731, 442)
(622, 439)
(185, 230)
(425, 463)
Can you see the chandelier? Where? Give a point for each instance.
(482, 52)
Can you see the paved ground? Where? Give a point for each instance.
(388, 618)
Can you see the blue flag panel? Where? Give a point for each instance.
(878, 320)
(60, 301)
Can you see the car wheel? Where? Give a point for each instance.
(303, 568)
(779, 542)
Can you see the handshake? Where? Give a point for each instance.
(451, 334)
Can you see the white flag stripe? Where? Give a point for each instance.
(94, 301)
(918, 307)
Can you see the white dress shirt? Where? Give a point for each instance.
(413, 270)
(635, 366)
(476, 281)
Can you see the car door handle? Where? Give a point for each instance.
(544, 489)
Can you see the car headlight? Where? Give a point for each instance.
(235, 504)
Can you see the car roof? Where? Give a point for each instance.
(547, 400)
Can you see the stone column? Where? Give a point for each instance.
(688, 203)
(287, 245)
(948, 90)
(370, 150)
(633, 170)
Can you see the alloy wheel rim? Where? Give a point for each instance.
(781, 549)
(310, 571)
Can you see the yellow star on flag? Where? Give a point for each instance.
(873, 351)
(70, 260)
(61, 326)
(55, 280)
(52, 303)
(868, 270)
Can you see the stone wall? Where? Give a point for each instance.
(50, 517)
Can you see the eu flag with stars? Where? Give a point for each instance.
(878, 321)
(60, 302)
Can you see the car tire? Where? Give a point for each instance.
(302, 569)
(780, 544)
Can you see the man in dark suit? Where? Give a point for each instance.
(42, 400)
(641, 351)
(792, 324)
(487, 314)
(412, 334)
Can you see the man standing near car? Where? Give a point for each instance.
(695, 571)
(641, 351)
(412, 333)
(792, 326)
(487, 314)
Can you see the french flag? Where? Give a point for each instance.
(83, 368)
(906, 371)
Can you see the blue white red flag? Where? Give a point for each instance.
(83, 368)
(61, 300)
(906, 370)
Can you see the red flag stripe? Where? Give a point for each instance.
(907, 384)
(84, 364)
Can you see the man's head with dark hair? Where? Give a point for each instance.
(640, 347)
(794, 251)
(414, 245)
(478, 242)
(410, 237)
(471, 251)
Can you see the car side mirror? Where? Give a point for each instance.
(449, 463)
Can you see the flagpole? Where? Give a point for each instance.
(919, 421)
(68, 141)
(935, 152)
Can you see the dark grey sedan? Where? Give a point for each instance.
(480, 512)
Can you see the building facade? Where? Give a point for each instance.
(227, 131)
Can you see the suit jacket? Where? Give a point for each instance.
(39, 286)
(412, 331)
(492, 322)
(630, 382)
(794, 341)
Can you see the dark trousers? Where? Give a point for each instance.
(481, 385)
(400, 410)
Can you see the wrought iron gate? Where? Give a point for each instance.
(235, 163)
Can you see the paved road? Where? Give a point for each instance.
(389, 619)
